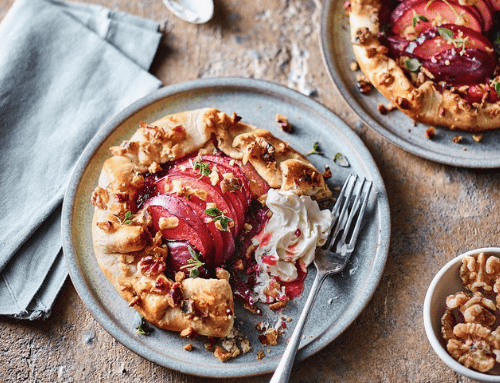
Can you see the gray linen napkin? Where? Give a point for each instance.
(65, 69)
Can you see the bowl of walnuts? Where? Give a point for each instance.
(462, 314)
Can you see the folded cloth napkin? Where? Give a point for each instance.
(65, 69)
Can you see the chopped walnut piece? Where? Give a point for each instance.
(272, 336)
(100, 197)
(477, 137)
(222, 354)
(260, 354)
(278, 305)
(327, 174)
(390, 106)
(363, 84)
(284, 124)
(474, 346)
(152, 266)
(168, 223)
(268, 153)
(188, 333)
(188, 347)
(430, 132)
(154, 168)
(457, 139)
(238, 265)
(220, 273)
(245, 346)
(362, 35)
(180, 276)
(381, 109)
(229, 183)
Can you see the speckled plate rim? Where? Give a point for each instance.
(488, 161)
(227, 370)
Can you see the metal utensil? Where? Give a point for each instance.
(331, 258)
(193, 11)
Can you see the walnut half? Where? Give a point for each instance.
(474, 346)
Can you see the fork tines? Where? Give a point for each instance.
(349, 208)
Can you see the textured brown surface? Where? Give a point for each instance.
(437, 212)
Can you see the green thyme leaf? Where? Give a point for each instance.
(194, 273)
(142, 328)
(315, 150)
(194, 264)
(446, 33)
(203, 167)
(496, 86)
(418, 18)
(193, 254)
(218, 215)
(340, 160)
(413, 65)
(224, 221)
(126, 218)
(213, 212)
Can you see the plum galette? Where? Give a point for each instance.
(181, 211)
(436, 60)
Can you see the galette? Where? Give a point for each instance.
(436, 60)
(199, 208)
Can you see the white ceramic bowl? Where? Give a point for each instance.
(447, 281)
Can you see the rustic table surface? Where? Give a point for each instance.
(437, 212)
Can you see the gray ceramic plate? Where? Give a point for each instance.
(395, 126)
(342, 297)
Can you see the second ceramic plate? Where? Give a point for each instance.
(342, 296)
(395, 126)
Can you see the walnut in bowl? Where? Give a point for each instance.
(462, 316)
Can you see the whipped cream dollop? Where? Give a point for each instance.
(289, 240)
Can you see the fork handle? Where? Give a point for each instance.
(284, 369)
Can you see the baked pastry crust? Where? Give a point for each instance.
(424, 103)
(202, 306)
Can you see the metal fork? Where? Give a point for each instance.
(331, 258)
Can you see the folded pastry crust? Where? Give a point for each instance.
(424, 103)
(126, 252)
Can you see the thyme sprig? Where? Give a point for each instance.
(126, 218)
(448, 35)
(218, 216)
(202, 167)
(194, 263)
(413, 65)
(418, 18)
(315, 150)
